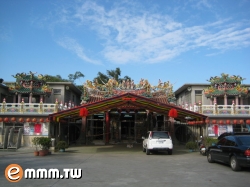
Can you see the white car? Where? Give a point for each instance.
(157, 141)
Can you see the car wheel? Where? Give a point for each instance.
(147, 151)
(170, 152)
(234, 164)
(209, 157)
(143, 149)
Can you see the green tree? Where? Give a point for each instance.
(73, 77)
(103, 78)
(114, 73)
(56, 78)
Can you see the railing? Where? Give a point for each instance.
(28, 108)
(221, 109)
(48, 108)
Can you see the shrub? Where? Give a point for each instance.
(191, 145)
(44, 142)
(35, 142)
(209, 141)
(61, 145)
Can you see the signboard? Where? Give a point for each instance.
(35, 129)
(217, 130)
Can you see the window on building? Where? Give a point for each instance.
(198, 96)
(57, 91)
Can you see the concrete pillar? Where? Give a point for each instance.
(225, 99)
(236, 100)
(19, 98)
(30, 98)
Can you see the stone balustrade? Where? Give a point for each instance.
(48, 108)
(220, 109)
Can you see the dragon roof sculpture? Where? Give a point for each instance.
(29, 83)
(113, 88)
(226, 85)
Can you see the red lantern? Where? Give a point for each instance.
(28, 120)
(34, 120)
(1, 119)
(173, 113)
(228, 122)
(13, 119)
(241, 121)
(83, 112)
(248, 121)
(21, 120)
(207, 121)
(214, 122)
(47, 120)
(221, 122)
(41, 120)
(235, 121)
(6, 120)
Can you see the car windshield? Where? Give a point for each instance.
(244, 140)
(156, 135)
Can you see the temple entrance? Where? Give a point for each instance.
(97, 130)
(71, 133)
(127, 130)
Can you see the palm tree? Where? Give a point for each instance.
(114, 73)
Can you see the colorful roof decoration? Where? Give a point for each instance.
(29, 83)
(93, 92)
(226, 85)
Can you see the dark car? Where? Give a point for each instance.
(232, 149)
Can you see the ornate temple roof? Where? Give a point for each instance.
(29, 83)
(226, 85)
(94, 92)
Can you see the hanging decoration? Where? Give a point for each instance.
(248, 121)
(173, 113)
(21, 120)
(13, 119)
(6, 120)
(235, 122)
(228, 122)
(28, 120)
(241, 121)
(1, 119)
(214, 121)
(41, 120)
(83, 112)
(34, 120)
(207, 121)
(221, 122)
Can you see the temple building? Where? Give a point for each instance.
(120, 112)
(226, 102)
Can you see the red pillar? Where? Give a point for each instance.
(107, 120)
(83, 123)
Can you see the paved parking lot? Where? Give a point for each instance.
(117, 165)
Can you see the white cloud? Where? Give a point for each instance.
(134, 35)
(72, 45)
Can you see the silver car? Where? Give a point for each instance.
(157, 141)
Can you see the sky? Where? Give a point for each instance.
(181, 41)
